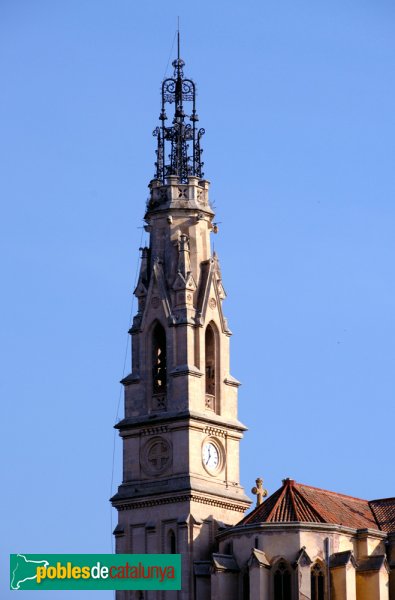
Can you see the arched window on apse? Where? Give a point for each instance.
(159, 366)
(210, 367)
(246, 585)
(317, 582)
(282, 582)
(171, 540)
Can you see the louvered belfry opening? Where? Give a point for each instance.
(210, 367)
(159, 367)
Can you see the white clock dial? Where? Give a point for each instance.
(211, 456)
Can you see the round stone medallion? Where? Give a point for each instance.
(156, 456)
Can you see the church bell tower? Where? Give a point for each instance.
(180, 431)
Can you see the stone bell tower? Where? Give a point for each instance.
(180, 432)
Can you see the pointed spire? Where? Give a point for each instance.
(178, 41)
(180, 140)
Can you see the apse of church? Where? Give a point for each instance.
(181, 489)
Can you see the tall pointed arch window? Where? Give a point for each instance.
(282, 582)
(171, 542)
(246, 585)
(159, 360)
(210, 370)
(317, 582)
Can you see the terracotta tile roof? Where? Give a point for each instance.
(340, 509)
(296, 502)
(384, 511)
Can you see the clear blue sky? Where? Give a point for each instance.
(297, 99)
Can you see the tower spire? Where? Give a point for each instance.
(178, 150)
(180, 431)
(178, 38)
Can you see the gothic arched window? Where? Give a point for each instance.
(282, 582)
(228, 549)
(246, 585)
(171, 538)
(210, 367)
(159, 367)
(317, 582)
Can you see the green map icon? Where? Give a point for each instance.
(23, 570)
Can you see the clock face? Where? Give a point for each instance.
(211, 456)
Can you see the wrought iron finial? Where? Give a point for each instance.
(181, 139)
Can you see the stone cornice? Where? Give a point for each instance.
(299, 526)
(129, 504)
(232, 381)
(149, 420)
(130, 379)
(186, 370)
(179, 485)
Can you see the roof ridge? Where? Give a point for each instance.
(382, 500)
(290, 488)
(280, 497)
(312, 508)
(312, 487)
(375, 517)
